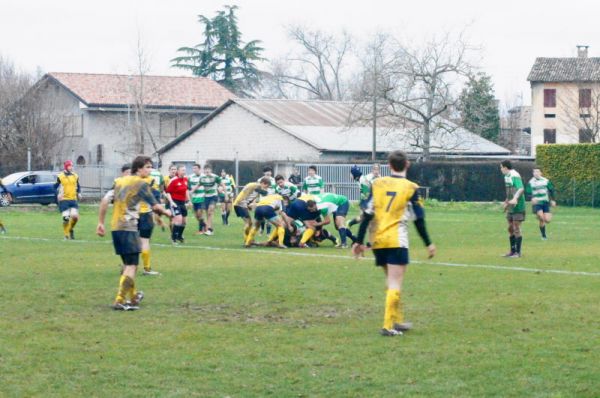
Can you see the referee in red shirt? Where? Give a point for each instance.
(178, 195)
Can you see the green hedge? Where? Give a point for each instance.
(575, 171)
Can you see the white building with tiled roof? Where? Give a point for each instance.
(303, 131)
(102, 118)
(565, 99)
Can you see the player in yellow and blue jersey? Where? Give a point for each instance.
(68, 193)
(393, 201)
(269, 209)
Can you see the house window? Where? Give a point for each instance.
(550, 98)
(80, 161)
(586, 136)
(585, 98)
(549, 136)
(550, 115)
(99, 153)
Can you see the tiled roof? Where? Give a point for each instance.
(159, 91)
(324, 125)
(565, 70)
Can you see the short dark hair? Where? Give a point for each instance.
(397, 160)
(126, 166)
(279, 177)
(312, 166)
(267, 168)
(197, 165)
(536, 167)
(506, 163)
(311, 203)
(139, 163)
(207, 165)
(265, 180)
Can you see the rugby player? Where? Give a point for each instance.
(391, 202)
(158, 187)
(226, 196)
(212, 184)
(178, 196)
(313, 183)
(68, 192)
(541, 190)
(514, 206)
(287, 190)
(127, 195)
(197, 195)
(304, 209)
(337, 206)
(364, 184)
(243, 200)
(268, 208)
(146, 221)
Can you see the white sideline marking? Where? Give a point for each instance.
(280, 252)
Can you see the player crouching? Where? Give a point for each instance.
(268, 209)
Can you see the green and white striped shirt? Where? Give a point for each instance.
(289, 190)
(210, 182)
(313, 185)
(365, 182)
(196, 189)
(540, 189)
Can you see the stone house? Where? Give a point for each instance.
(565, 99)
(110, 118)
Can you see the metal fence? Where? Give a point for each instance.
(96, 180)
(573, 192)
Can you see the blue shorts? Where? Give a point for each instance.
(264, 213)
(126, 242)
(156, 195)
(342, 210)
(65, 205)
(545, 207)
(209, 200)
(146, 225)
(241, 212)
(298, 211)
(363, 203)
(198, 206)
(391, 256)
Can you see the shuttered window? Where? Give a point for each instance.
(549, 98)
(549, 136)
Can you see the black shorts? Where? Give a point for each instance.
(65, 205)
(179, 209)
(198, 206)
(241, 212)
(264, 213)
(146, 225)
(342, 210)
(544, 207)
(209, 200)
(127, 243)
(391, 256)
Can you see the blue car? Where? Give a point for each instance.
(28, 187)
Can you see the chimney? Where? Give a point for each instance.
(582, 51)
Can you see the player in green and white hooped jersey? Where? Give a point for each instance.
(514, 206)
(267, 172)
(226, 197)
(197, 195)
(287, 190)
(313, 184)
(212, 186)
(542, 194)
(330, 204)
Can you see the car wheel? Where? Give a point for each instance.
(5, 200)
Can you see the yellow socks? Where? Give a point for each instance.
(126, 287)
(250, 236)
(273, 235)
(66, 227)
(246, 232)
(146, 259)
(307, 235)
(280, 235)
(392, 309)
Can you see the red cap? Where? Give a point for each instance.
(68, 163)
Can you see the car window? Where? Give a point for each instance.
(46, 178)
(27, 179)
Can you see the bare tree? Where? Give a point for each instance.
(316, 69)
(418, 87)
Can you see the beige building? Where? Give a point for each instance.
(565, 100)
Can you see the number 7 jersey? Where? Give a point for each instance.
(393, 202)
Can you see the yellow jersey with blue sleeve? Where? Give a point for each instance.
(247, 195)
(393, 202)
(128, 194)
(275, 201)
(68, 183)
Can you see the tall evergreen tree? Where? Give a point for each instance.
(222, 55)
(479, 109)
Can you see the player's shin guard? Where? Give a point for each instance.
(392, 304)
(343, 232)
(250, 236)
(307, 235)
(125, 286)
(146, 259)
(280, 235)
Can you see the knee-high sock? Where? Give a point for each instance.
(343, 231)
(125, 286)
(66, 227)
(543, 231)
(513, 248)
(273, 235)
(250, 236)
(146, 259)
(227, 216)
(174, 232)
(72, 223)
(392, 303)
(307, 235)
(349, 234)
(268, 228)
(246, 232)
(280, 234)
(518, 242)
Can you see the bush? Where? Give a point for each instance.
(574, 169)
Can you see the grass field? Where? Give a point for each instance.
(224, 321)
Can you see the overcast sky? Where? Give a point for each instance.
(91, 36)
